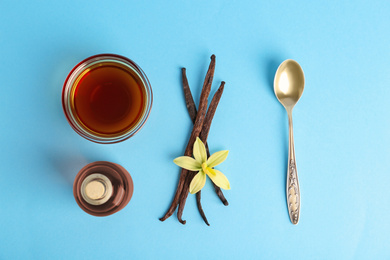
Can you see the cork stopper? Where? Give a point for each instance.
(96, 189)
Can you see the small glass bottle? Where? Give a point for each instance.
(103, 188)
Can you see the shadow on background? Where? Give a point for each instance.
(65, 151)
(67, 163)
(272, 63)
(270, 66)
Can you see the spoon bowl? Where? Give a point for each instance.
(289, 83)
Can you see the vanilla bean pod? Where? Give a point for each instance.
(191, 107)
(203, 136)
(199, 204)
(198, 125)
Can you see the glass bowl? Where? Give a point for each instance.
(91, 73)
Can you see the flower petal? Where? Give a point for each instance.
(217, 158)
(218, 178)
(197, 182)
(188, 163)
(200, 151)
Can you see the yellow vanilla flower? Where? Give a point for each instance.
(204, 166)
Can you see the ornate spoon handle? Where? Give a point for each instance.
(292, 192)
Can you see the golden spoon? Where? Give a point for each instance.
(289, 83)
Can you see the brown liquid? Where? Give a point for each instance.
(108, 99)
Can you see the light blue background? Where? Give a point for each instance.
(341, 129)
